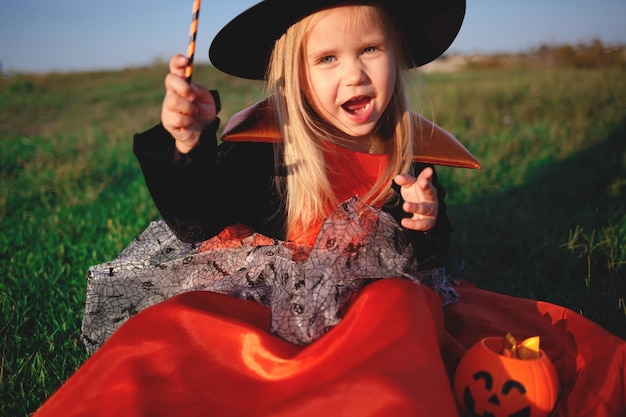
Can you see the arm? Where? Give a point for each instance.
(173, 178)
(198, 187)
(211, 187)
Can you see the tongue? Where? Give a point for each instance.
(356, 105)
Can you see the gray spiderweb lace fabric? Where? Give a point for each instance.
(304, 290)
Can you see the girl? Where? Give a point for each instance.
(313, 181)
(321, 205)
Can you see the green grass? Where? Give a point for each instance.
(544, 219)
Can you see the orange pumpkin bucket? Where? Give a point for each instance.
(501, 378)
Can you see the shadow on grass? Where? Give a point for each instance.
(516, 241)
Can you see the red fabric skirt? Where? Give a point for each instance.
(393, 354)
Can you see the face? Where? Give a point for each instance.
(350, 70)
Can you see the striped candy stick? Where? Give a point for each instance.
(191, 49)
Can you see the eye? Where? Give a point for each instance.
(486, 376)
(509, 385)
(328, 59)
(370, 49)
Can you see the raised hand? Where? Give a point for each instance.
(187, 107)
(420, 200)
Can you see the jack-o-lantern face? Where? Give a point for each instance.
(487, 384)
(493, 397)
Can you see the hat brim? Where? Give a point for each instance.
(242, 48)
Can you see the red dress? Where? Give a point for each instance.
(392, 354)
(382, 359)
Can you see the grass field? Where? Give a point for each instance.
(545, 219)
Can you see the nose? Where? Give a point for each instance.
(354, 73)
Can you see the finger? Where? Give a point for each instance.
(425, 177)
(178, 65)
(426, 173)
(176, 121)
(177, 84)
(403, 179)
(405, 182)
(421, 209)
(416, 190)
(425, 184)
(175, 103)
(177, 113)
(422, 224)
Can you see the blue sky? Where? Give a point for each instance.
(69, 35)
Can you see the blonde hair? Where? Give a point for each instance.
(305, 188)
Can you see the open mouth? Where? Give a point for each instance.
(357, 105)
